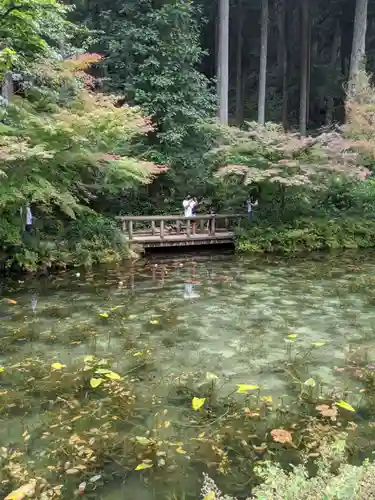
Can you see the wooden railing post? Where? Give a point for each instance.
(188, 228)
(153, 228)
(124, 226)
(213, 226)
(130, 230)
(178, 227)
(201, 225)
(162, 229)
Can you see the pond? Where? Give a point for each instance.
(175, 329)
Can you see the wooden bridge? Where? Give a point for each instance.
(158, 231)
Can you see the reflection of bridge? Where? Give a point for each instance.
(158, 231)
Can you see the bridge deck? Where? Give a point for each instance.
(171, 240)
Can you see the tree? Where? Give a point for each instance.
(263, 63)
(359, 41)
(239, 79)
(305, 55)
(223, 60)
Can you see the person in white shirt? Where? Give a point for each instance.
(189, 205)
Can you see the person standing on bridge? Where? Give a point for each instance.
(189, 204)
(250, 205)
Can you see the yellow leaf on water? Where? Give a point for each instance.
(95, 382)
(103, 315)
(154, 322)
(143, 440)
(132, 316)
(243, 388)
(102, 370)
(211, 376)
(27, 490)
(143, 466)
(139, 353)
(57, 366)
(210, 496)
(345, 405)
(180, 451)
(115, 308)
(2, 369)
(197, 403)
(292, 336)
(88, 359)
(112, 375)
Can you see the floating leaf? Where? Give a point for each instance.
(104, 315)
(154, 322)
(72, 471)
(57, 366)
(132, 316)
(93, 479)
(12, 302)
(243, 388)
(319, 344)
(88, 359)
(197, 403)
(115, 308)
(139, 353)
(180, 451)
(143, 466)
(142, 440)
(281, 436)
(345, 405)
(268, 399)
(27, 490)
(102, 370)
(2, 369)
(292, 336)
(210, 496)
(112, 375)
(211, 376)
(310, 382)
(95, 382)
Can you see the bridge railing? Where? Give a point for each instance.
(163, 226)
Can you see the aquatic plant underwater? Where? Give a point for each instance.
(89, 413)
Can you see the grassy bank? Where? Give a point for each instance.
(308, 234)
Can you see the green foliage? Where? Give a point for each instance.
(308, 234)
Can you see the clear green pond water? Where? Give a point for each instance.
(223, 314)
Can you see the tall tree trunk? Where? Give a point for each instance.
(239, 84)
(223, 60)
(359, 42)
(332, 70)
(263, 63)
(304, 66)
(282, 23)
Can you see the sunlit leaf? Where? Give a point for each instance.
(12, 302)
(180, 451)
(72, 471)
(211, 376)
(267, 399)
(154, 322)
(210, 496)
(345, 405)
(57, 366)
(88, 359)
(143, 440)
(102, 370)
(103, 315)
(310, 382)
(292, 336)
(143, 466)
(112, 375)
(319, 344)
(2, 369)
(243, 388)
(95, 382)
(25, 491)
(139, 353)
(115, 308)
(132, 316)
(197, 403)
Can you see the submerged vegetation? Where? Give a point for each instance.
(94, 404)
